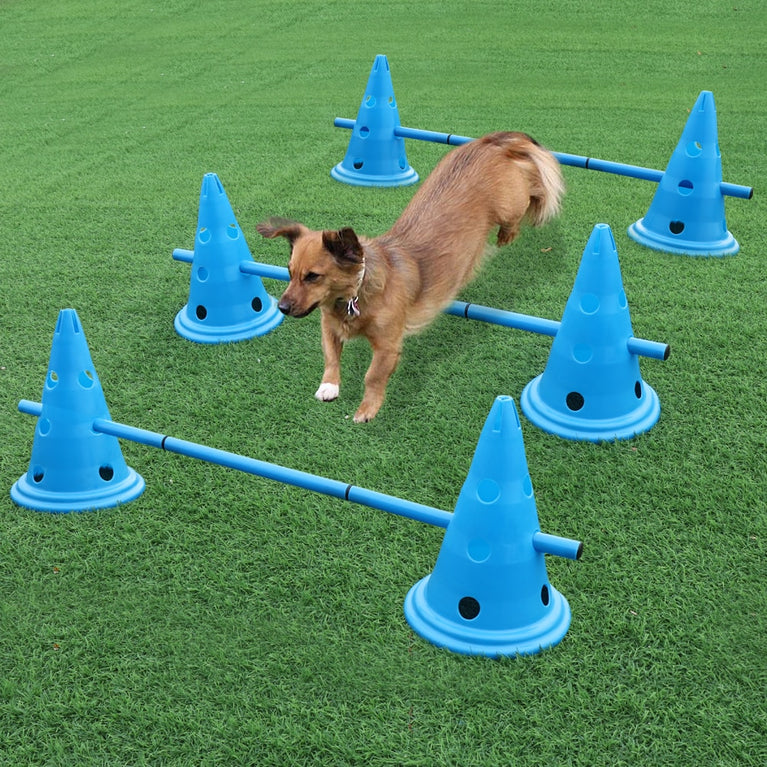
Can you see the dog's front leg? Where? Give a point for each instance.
(385, 358)
(332, 346)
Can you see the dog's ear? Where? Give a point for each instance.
(344, 246)
(280, 227)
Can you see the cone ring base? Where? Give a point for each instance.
(203, 333)
(25, 493)
(355, 178)
(573, 427)
(462, 638)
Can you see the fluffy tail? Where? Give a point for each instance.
(546, 184)
(546, 195)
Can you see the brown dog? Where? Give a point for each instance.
(393, 285)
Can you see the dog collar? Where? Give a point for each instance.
(353, 304)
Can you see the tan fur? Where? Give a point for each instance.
(407, 276)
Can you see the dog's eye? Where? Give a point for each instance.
(311, 277)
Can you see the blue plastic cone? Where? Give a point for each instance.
(591, 388)
(73, 468)
(225, 304)
(686, 215)
(375, 156)
(489, 593)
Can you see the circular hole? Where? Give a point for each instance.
(638, 389)
(53, 379)
(43, 426)
(545, 595)
(574, 400)
(86, 379)
(106, 473)
(370, 101)
(38, 474)
(676, 227)
(685, 187)
(232, 231)
(527, 486)
(358, 164)
(582, 353)
(204, 235)
(694, 149)
(488, 491)
(468, 607)
(256, 304)
(364, 131)
(478, 550)
(201, 312)
(391, 102)
(589, 303)
(202, 274)
(403, 163)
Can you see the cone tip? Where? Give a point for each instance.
(211, 184)
(601, 241)
(503, 415)
(68, 321)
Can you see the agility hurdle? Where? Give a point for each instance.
(489, 592)
(571, 160)
(686, 215)
(470, 311)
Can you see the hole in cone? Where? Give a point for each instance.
(106, 473)
(685, 187)
(574, 400)
(468, 607)
(545, 595)
(638, 389)
(201, 312)
(676, 227)
(256, 304)
(38, 474)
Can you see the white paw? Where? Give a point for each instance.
(327, 392)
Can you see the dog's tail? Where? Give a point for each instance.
(547, 187)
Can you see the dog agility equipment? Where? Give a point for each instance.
(376, 157)
(226, 303)
(686, 215)
(76, 441)
(591, 388)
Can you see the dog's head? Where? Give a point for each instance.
(324, 267)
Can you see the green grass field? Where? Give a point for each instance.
(222, 619)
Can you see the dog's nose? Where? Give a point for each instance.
(284, 306)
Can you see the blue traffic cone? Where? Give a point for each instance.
(686, 215)
(73, 468)
(591, 388)
(489, 593)
(225, 304)
(375, 156)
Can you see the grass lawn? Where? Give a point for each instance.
(223, 619)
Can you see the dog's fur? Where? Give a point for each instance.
(392, 285)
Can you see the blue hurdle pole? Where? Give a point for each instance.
(542, 542)
(640, 346)
(573, 160)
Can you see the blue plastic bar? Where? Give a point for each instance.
(544, 543)
(574, 160)
(639, 346)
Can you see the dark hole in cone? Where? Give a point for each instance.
(468, 607)
(256, 304)
(574, 400)
(106, 473)
(676, 227)
(201, 312)
(545, 595)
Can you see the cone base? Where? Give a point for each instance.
(205, 333)
(356, 178)
(462, 638)
(27, 494)
(727, 246)
(572, 427)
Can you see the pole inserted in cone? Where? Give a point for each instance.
(489, 593)
(73, 468)
(376, 155)
(686, 215)
(225, 303)
(591, 388)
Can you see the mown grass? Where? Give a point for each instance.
(224, 619)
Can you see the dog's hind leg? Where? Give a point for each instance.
(332, 347)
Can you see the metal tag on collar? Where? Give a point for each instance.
(353, 307)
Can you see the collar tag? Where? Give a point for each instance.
(353, 307)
